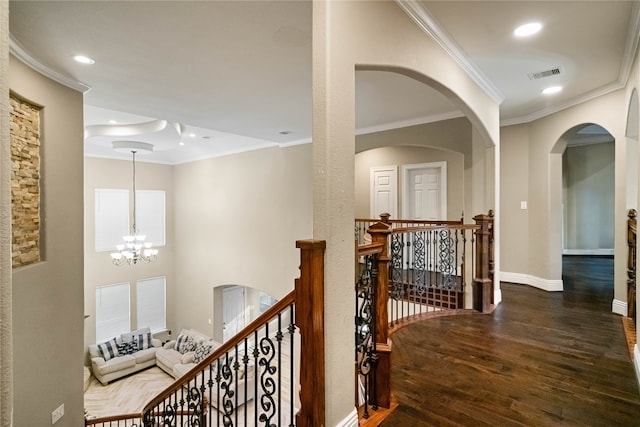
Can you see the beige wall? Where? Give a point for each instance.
(237, 219)
(48, 304)
(99, 270)
(396, 155)
(373, 36)
(538, 147)
(589, 196)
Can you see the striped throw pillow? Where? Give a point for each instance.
(108, 349)
(143, 341)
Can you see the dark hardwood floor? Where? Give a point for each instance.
(541, 359)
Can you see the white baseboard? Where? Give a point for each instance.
(536, 282)
(636, 363)
(497, 295)
(619, 307)
(587, 252)
(350, 421)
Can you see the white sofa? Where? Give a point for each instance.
(108, 364)
(177, 364)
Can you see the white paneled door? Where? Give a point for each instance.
(384, 191)
(425, 191)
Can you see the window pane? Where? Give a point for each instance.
(112, 218)
(112, 311)
(150, 215)
(151, 296)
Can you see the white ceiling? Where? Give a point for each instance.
(238, 73)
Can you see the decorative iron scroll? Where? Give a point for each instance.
(447, 265)
(419, 263)
(396, 290)
(266, 355)
(224, 378)
(366, 353)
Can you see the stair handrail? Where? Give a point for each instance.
(230, 344)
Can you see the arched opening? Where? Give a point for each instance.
(583, 169)
(436, 129)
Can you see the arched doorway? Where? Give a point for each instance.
(584, 162)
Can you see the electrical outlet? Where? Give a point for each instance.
(57, 414)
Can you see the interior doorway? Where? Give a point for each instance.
(233, 311)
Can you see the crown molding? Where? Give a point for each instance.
(631, 45)
(19, 52)
(411, 122)
(421, 16)
(567, 104)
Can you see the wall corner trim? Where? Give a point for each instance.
(619, 307)
(549, 285)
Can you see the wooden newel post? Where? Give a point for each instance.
(482, 280)
(309, 316)
(632, 232)
(380, 233)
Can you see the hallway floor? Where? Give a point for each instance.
(541, 359)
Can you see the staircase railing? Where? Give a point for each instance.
(271, 373)
(407, 273)
(363, 224)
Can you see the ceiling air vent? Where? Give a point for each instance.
(546, 73)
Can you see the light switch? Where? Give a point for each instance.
(523, 204)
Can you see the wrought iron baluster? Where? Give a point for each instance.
(279, 337)
(364, 326)
(292, 330)
(267, 383)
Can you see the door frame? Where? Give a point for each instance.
(406, 189)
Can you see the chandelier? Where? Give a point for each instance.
(134, 250)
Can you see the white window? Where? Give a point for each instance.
(112, 311)
(150, 215)
(112, 218)
(151, 303)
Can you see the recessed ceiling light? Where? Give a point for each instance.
(192, 135)
(551, 90)
(284, 132)
(84, 59)
(527, 29)
(113, 122)
(181, 143)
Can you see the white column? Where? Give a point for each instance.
(334, 206)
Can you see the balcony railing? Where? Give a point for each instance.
(405, 273)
